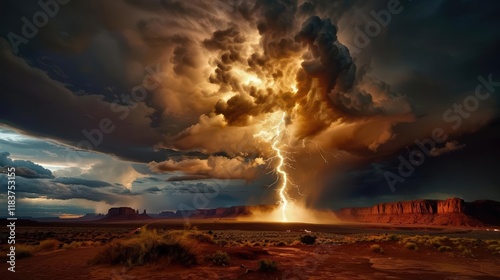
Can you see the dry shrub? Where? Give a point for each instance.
(411, 246)
(376, 248)
(218, 258)
(149, 246)
(48, 245)
(202, 237)
(24, 251)
(267, 266)
(444, 249)
(308, 239)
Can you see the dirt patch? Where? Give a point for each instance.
(342, 252)
(346, 261)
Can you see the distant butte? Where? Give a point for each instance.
(449, 212)
(124, 214)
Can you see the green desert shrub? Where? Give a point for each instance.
(218, 258)
(267, 266)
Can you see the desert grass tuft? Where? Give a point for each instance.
(411, 246)
(267, 266)
(48, 245)
(376, 248)
(218, 258)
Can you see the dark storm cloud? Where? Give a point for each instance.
(80, 113)
(187, 178)
(453, 174)
(80, 181)
(24, 168)
(34, 188)
(331, 61)
(425, 43)
(276, 21)
(191, 188)
(152, 190)
(147, 179)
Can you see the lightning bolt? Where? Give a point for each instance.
(281, 171)
(274, 136)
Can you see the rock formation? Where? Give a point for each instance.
(124, 214)
(451, 212)
(121, 211)
(221, 212)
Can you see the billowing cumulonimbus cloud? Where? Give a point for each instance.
(214, 167)
(230, 66)
(239, 60)
(281, 59)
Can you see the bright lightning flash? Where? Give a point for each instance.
(281, 171)
(275, 135)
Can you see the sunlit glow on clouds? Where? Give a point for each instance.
(11, 136)
(52, 166)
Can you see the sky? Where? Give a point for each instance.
(167, 105)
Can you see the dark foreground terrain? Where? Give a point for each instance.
(354, 251)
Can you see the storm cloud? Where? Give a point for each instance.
(24, 168)
(191, 91)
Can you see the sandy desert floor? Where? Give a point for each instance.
(341, 252)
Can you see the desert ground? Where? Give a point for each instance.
(227, 249)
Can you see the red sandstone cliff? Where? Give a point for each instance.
(450, 212)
